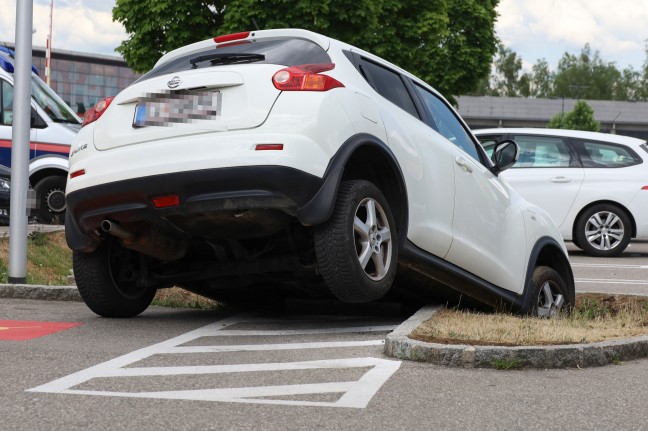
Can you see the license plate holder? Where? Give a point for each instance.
(167, 109)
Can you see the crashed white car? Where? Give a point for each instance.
(287, 159)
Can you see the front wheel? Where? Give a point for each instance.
(549, 294)
(50, 192)
(356, 248)
(603, 230)
(109, 280)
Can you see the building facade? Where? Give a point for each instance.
(623, 118)
(82, 79)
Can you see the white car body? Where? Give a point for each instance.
(458, 212)
(567, 192)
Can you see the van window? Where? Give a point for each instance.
(6, 105)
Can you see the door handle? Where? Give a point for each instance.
(560, 179)
(464, 164)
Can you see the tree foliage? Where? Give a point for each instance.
(579, 118)
(448, 43)
(585, 75)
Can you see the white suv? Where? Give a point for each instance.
(286, 158)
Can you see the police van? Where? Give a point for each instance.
(53, 126)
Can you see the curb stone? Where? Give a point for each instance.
(32, 291)
(399, 345)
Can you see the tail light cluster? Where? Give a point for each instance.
(305, 77)
(96, 111)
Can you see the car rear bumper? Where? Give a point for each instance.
(199, 192)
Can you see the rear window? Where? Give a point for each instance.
(286, 52)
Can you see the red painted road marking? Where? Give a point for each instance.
(20, 330)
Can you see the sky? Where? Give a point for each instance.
(534, 29)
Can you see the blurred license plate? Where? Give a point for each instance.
(167, 109)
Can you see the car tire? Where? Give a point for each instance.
(603, 230)
(357, 247)
(550, 296)
(107, 279)
(50, 192)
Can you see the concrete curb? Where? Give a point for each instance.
(48, 293)
(398, 345)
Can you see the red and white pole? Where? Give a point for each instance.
(48, 48)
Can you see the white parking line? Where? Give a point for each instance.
(356, 394)
(607, 265)
(610, 281)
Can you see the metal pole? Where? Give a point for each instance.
(48, 48)
(20, 143)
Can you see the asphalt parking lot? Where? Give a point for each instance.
(190, 369)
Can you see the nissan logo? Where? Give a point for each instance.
(174, 82)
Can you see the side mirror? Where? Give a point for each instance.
(505, 154)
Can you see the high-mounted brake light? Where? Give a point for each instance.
(305, 77)
(231, 37)
(97, 111)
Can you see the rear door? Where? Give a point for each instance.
(426, 165)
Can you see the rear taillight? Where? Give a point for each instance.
(305, 77)
(96, 111)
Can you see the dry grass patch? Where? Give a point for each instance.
(176, 297)
(596, 317)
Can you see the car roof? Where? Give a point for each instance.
(595, 136)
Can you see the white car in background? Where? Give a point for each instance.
(287, 159)
(593, 185)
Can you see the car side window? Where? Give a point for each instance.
(6, 103)
(604, 155)
(489, 142)
(446, 123)
(542, 152)
(389, 85)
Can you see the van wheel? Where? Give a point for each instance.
(109, 282)
(356, 248)
(50, 195)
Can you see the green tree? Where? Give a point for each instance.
(585, 75)
(157, 26)
(541, 79)
(448, 43)
(579, 118)
(507, 80)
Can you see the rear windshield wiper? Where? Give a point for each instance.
(227, 58)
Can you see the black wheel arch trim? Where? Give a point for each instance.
(560, 264)
(320, 207)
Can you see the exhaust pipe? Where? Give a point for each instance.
(149, 240)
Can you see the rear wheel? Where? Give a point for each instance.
(108, 280)
(603, 230)
(356, 248)
(50, 192)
